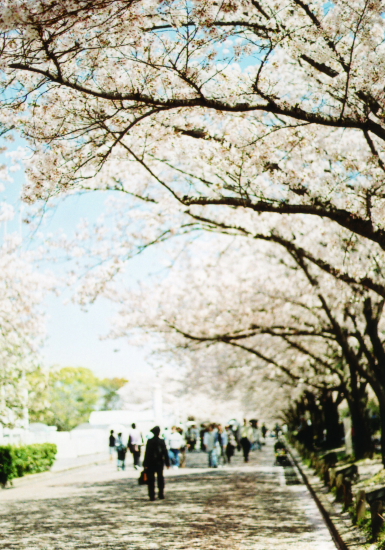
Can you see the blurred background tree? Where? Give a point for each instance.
(109, 388)
(66, 397)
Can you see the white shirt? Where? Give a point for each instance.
(175, 440)
(136, 437)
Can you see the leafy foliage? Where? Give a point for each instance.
(110, 397)
(66, 397)
(32, 459)
(38, 400)
(73, 395)
(5, 465)
(17, 461)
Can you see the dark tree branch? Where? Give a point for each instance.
(346, 219)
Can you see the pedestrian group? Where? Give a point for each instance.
(220, 444)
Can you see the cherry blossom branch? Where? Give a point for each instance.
(290, 246)
(342, 217)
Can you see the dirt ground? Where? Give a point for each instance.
(255, 506)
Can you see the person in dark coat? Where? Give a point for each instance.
(121, 449)
(111, 444)
(155, 458)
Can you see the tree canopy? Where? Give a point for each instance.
(270, 107)
(66, 397)
(262, 121)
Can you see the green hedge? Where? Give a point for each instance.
(17, 461)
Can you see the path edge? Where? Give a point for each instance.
(340, 542)
(34, 478)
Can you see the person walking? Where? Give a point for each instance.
(256, 436)
(202, 432)
(264, 431)
(192, 437)
(231, 444)
(277, 428)
(155, 458)
(183, 448)
(135, 441)
(211, 444)
(222, 440)
(121, 449)
(245, 439)
(175, 442)
(111, 444)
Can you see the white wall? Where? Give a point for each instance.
(70, 444)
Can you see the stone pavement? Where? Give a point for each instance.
(254, 506)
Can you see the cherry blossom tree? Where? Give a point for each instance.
(356, 268)
(22, 331)
(304, 327)
(268, 107)
(234, 117)
(232, 381)
(203, 115)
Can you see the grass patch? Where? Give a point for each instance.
(377, 479)
(365, 524)
(381, 540)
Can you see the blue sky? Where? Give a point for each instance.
(73, 334)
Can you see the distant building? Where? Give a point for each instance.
(145, 414)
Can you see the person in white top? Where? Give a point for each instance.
(175, 442)
(135, 442)
(256, 437)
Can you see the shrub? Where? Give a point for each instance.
(5, 465)
(17, 461)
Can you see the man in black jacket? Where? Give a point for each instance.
(155, 458)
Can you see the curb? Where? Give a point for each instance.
(25, 480)
(34, 478)
(94, 463)
(340, 544)
(346, 536)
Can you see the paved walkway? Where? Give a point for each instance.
(256, 506)
(62, 464)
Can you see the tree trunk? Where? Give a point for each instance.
(361, 436)
(357, 399)
(317, 423)
(331, 422)
(381, 402)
